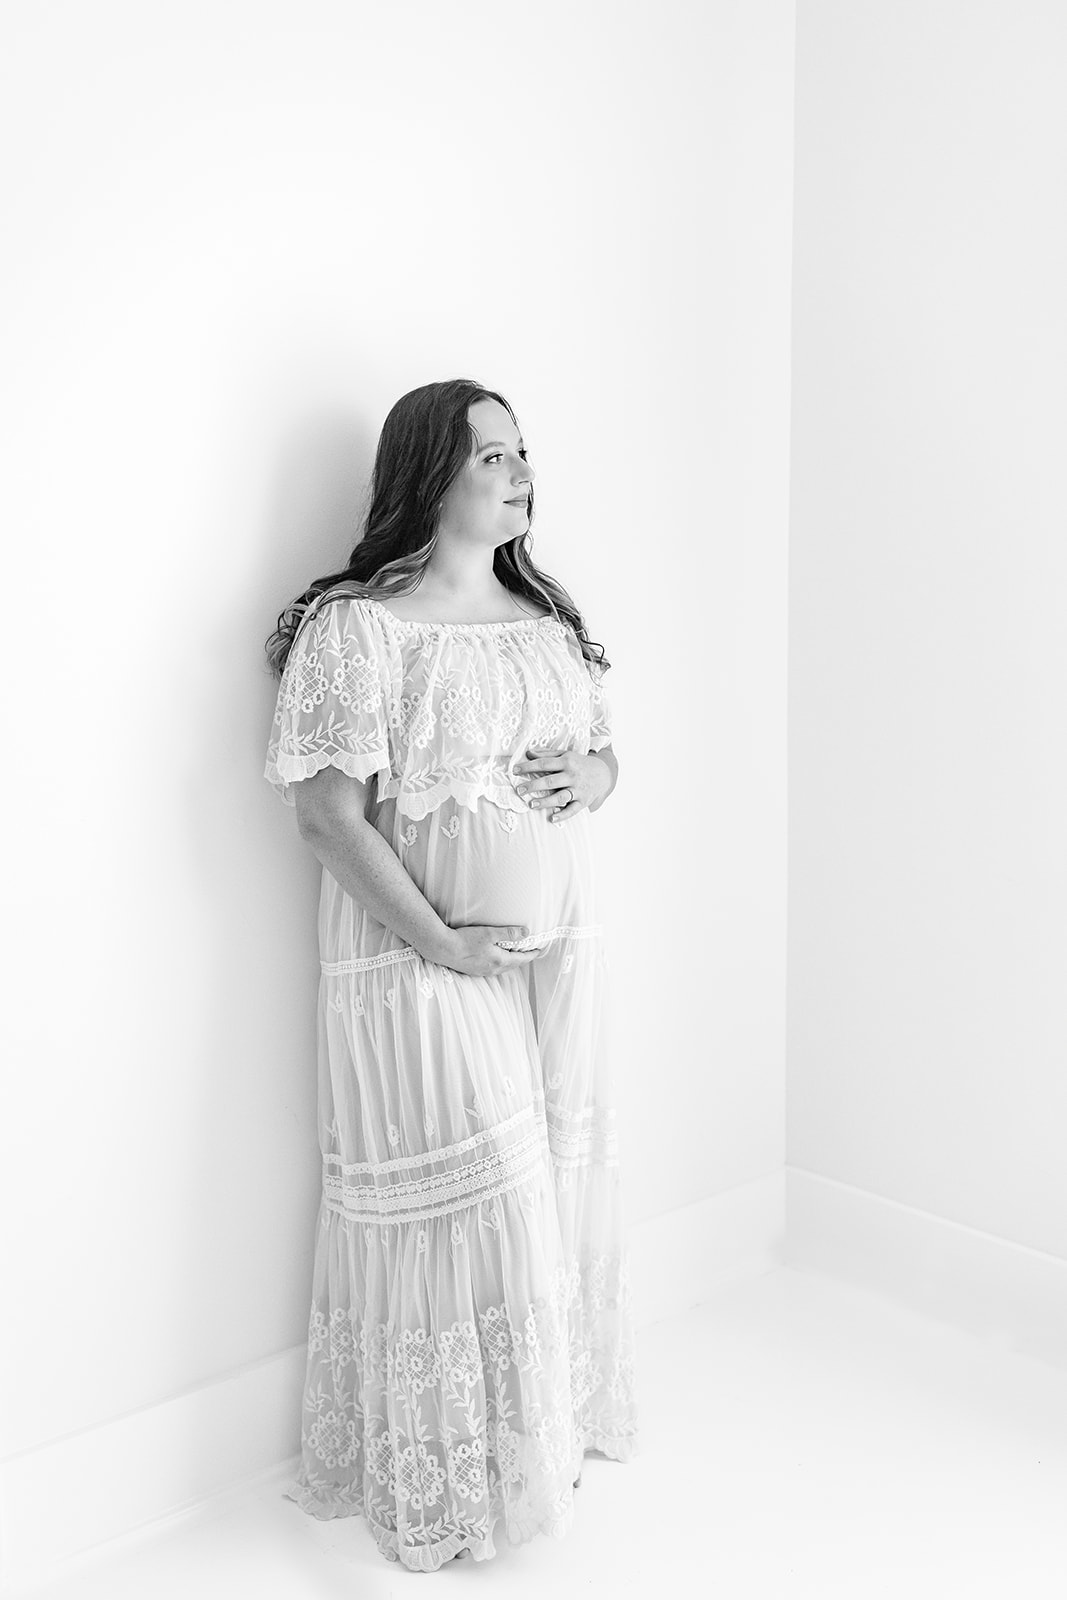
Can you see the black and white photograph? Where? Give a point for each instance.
(536, 587)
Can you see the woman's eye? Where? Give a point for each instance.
(496, 456)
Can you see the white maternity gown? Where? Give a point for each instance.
(470, 1333)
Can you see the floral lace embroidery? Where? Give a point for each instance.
(435, 709)
(432, 1432)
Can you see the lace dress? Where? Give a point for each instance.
(470, 1330)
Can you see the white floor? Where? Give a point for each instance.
(800, 1438)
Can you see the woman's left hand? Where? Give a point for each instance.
(550, 774)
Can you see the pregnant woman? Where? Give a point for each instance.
(442, 731)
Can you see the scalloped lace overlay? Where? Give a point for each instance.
(435, 709)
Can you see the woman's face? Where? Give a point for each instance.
(479, 507)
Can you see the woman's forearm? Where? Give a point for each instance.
(368, 868)
(606, 755)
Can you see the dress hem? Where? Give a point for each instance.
(326, 1507)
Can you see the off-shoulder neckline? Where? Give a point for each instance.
(458, 627)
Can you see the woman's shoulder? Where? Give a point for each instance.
(337, 619)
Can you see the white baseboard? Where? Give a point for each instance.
(1011, 1295)
(99, 1485)
(157, 1466)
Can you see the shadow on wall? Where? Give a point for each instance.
(252, 1147)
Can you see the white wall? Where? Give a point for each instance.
(928, 624)
(239, 232)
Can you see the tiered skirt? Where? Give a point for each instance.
(470, 1332)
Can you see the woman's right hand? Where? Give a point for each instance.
(475, 950)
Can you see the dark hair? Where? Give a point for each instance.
(426, 441)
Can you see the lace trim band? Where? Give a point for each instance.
(522, 1146)
(578, 1138)
(488, 1163)
(334, 969)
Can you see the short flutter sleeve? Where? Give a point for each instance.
(600, 708)
(332, 706)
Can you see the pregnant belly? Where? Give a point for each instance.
(505, 868)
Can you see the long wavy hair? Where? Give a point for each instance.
(426, 441)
